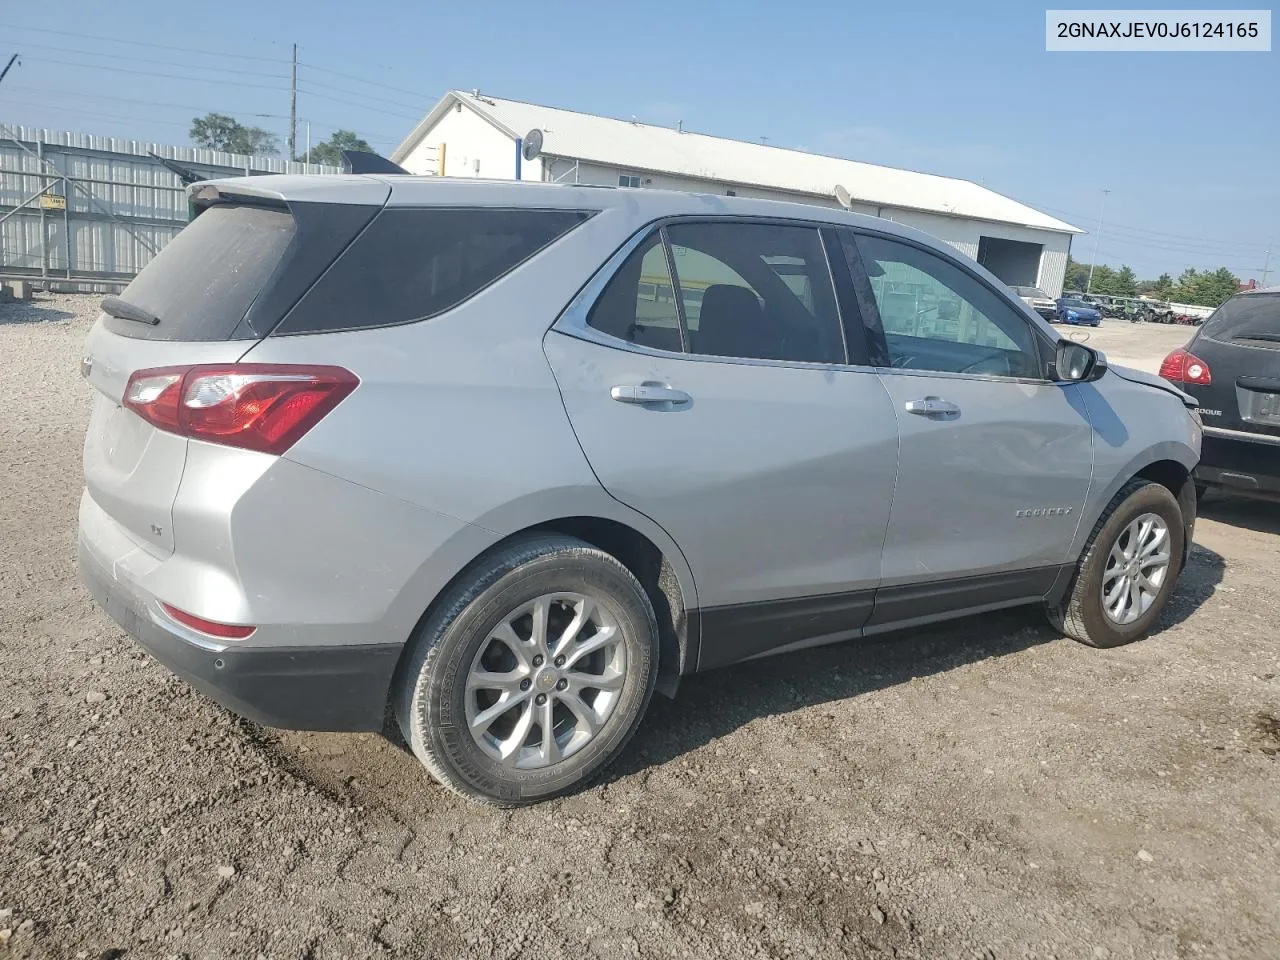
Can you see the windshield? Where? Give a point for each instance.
(1031, 292)
(1249, 317)
(1074, 304)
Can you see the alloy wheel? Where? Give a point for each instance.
(1136, 569)
(545, 680)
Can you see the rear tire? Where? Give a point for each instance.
(1126, 537)
(505, 633)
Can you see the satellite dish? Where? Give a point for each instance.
(842, 196)
(532, 144)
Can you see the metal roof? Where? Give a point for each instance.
(636, 146)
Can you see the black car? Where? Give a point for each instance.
(1232, 367)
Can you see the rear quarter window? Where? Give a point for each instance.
(415, 263)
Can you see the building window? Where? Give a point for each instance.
(626, 180)
(731, 193)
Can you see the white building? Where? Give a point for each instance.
(471, 135)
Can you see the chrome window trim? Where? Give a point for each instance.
(984, 377)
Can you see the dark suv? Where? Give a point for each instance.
(1232, 367)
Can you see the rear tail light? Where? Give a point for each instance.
(257, 406)
(224, 631)
(1183, 367)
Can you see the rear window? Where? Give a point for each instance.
(203, 282)
(1251, 318)
(414, 263)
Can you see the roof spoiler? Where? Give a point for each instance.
(360, 161)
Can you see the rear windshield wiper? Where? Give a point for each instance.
(1265, 337)
(128, 311)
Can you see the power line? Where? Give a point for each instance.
(104, 116)
(366, 96)
(159, 76)
(162, 63)
(372, 83)
(144, 43)
(1141, 230)
(352, 103)
(62, 92)
(149, 103)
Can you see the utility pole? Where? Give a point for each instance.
(7, 66)
(1097, 237)
(1266, 265)
(293, 107)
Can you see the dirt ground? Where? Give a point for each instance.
(983, 789)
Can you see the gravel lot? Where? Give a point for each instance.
(983, 789)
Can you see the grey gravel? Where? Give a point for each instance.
(344, 848)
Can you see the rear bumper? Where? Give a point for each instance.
(1238, 462)
(339, 688)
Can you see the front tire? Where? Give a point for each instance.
(531, 673)
(1128, 570)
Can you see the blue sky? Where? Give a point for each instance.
(1188, 144)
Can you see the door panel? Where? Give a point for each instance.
(775, 481)
(994, 462)
(997, 486)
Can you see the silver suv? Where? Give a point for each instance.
(506, 458)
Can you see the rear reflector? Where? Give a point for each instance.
(223, 631)
(266, 407)
(1183, 367)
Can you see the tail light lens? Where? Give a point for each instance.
(224, 631)
(266, 407)
(1183, 367)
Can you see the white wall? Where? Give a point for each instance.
(469, 142)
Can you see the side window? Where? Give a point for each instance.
(412, 263)
(937, 317)
(638, 304)
(757, 291)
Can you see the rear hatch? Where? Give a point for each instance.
(216, 289)
(1240, 347)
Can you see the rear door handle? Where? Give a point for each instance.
(932, 407)
(648, 393)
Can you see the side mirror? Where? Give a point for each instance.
(1076, 363)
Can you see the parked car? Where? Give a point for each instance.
(473, 452)
(1037, 300)
(1077, 312)
(1232, 367)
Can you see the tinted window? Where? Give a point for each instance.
(413, 263)
(205, 279)
(639, 303)
(937, 316)
(757, 291)
(1252, 317)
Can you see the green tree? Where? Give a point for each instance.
(1076, 276)
(330, 151)
(1103, 281)
(1205, 288)
(217, 131)
(1161, 287)
(1127, 282)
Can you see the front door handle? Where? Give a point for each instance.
(648, 393)
(932, 407)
